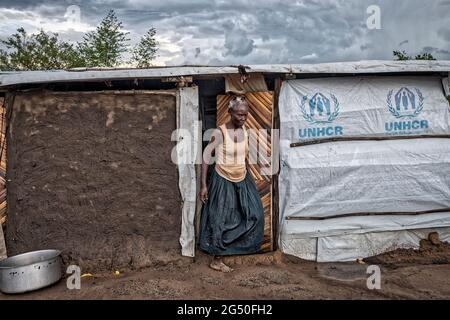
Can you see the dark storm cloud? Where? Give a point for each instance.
(444, 34)
(232, 31)
(237, 43)
(435, 50)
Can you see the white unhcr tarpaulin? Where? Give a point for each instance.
(363, 106)
(330, 180)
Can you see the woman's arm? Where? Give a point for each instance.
(206, 161)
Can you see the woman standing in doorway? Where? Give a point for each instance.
(232, 220)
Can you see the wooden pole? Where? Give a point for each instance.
(374, 138)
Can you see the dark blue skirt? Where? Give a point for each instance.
(232, 220)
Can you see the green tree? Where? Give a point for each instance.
(402, 55)
(104, 46)
(4, 60)
(20, 51)
(145, 51)
(41, 51)
(425, 56)
(100, 48)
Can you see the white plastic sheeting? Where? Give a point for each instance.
(352, 246)
(340, 178)
(299, 229)
(363, 106)
(188, 145)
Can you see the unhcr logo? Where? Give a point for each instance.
(320, 110)
(405, 105)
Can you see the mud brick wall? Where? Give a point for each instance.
(90, 174)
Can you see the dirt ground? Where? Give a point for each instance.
(405, 274)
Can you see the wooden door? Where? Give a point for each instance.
(260, 117)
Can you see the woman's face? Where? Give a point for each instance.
(239, 115)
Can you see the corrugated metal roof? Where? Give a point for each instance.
(100, 74)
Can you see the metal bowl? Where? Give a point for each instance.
(30, 271)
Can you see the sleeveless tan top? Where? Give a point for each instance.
(231, 156)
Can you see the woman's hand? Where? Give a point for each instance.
(203, 194)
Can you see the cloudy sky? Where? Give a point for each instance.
(222, 32)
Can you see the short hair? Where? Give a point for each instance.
(237, 101)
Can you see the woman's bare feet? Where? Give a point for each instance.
(217, 264)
